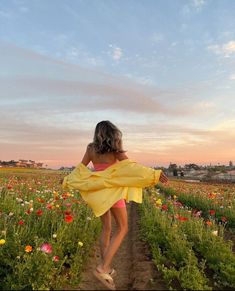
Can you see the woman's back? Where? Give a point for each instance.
(106, 158)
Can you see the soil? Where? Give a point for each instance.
(135, 269)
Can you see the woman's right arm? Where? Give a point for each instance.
(87, 156)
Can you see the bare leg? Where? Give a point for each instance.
(106, 232)
(120, 215)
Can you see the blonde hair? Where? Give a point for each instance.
(107, 138)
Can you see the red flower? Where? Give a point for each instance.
(9, 187)
(223, 218)
(212, 212)
(68, 218)
(39, 212)
(40, 200)
(49, 206)
(28, 211)
(182, 218)
(21, 222)
(67, 212)
(164, 207)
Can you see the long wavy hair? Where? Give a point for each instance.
(107, 138)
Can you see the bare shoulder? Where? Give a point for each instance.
(121, 156)
(90, 148)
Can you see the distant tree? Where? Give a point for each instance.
(192, 166)
(173, 168)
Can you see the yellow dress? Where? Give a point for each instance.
(101, 189)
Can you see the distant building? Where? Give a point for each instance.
(21, 164)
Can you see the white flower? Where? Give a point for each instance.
(215, 232)
(54, 235)
(10, 214)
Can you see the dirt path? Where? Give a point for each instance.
(135, 269)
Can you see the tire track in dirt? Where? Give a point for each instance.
(136, 271)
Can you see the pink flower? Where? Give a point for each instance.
(46, 248)
(56, 258)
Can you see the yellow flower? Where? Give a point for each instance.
(28, 249)
(2, 241)
(175, 197)
(80, 243)
(159, 202)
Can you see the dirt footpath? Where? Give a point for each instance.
(133, 263)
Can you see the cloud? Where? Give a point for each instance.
(193, 6)
(232, 77)
(117, 53)
(180, 143)
(225, 50)
(198, 4)
(56, 85)
(48, 108)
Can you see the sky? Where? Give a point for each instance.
(162, 71)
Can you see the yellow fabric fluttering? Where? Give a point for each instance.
(101, 189)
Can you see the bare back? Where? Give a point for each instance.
(107, 158)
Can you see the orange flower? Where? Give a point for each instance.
(208, 222)
(212, 196)
(28, 249)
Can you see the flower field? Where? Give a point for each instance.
(216, 201)
(187, 246)
(45, 233)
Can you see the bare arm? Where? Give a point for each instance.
(87, 157)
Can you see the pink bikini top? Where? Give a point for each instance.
(102, 166)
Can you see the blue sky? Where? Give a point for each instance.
(163, 71)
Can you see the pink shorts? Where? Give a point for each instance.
(119, 204)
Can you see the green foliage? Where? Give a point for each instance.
(21, 197)
(172, 253)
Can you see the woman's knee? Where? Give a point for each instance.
(123, 228)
